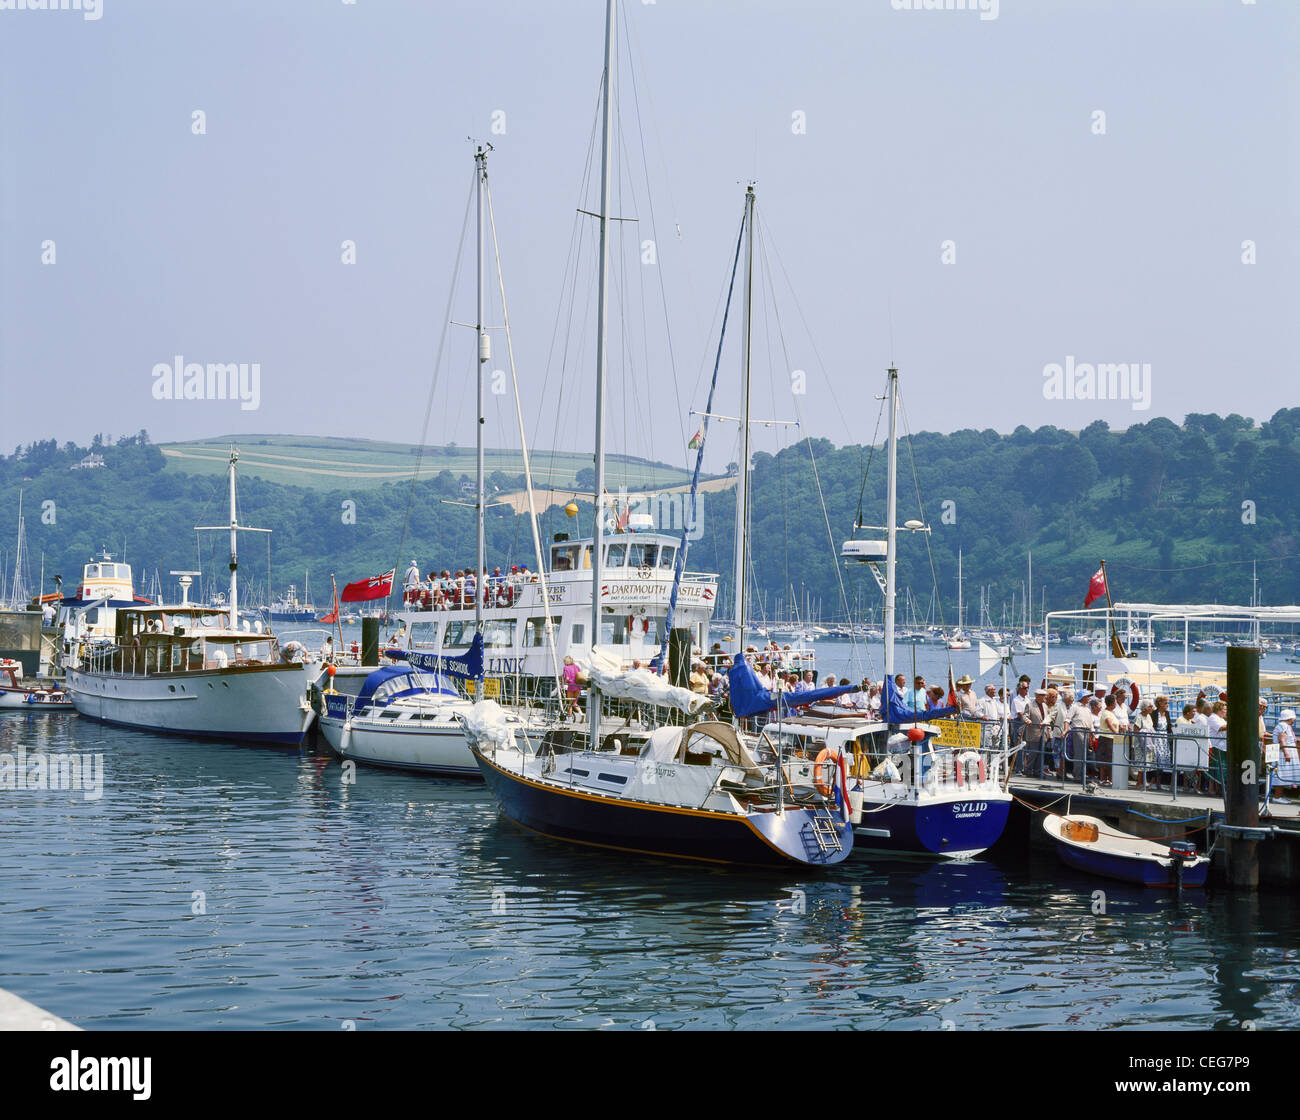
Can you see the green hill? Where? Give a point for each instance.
(333, 463)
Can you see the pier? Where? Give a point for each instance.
(16, 1014)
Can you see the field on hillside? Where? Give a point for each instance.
(330, 463)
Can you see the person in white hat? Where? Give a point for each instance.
(1284, 735)
(966, 699)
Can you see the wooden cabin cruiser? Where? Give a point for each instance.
(186, 670)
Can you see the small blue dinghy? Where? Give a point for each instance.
(1091, 845)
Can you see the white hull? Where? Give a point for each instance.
(260, 705)
(34, 700)
(419, 746)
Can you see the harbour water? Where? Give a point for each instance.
(219, 886)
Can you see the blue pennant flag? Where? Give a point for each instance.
(895, 709)
(749, 697)
(469, 667)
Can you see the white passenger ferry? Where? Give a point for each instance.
(636, 583)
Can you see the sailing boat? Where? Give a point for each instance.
(690, 791)
(17, 592)
(912, 792)
(958, 639)
(408, 716)
(1028, 642)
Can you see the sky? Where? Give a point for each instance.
(997, 200)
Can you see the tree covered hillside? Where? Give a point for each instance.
(1179, 513)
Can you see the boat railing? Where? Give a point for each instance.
(709, 578)
(169, 657)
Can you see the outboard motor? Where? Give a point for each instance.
(1181, 853)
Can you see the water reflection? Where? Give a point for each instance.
(217, 885)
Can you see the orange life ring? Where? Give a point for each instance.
(825, 759)
(1136, 696)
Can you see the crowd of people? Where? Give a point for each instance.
(449, 590)
(1053, 731)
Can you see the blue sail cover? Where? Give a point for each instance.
(894, 709)
(469, 667)
(749, 697)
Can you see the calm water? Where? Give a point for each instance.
(403, 902)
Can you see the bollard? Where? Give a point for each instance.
(370, 641)
(1119, 760)
(1242, 773)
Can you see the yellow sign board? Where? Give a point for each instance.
(491, 688)
(961, 734)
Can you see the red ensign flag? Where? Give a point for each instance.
(1097, 587)
(376, 587)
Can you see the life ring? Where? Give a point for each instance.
(830, 759)
(1136, 696)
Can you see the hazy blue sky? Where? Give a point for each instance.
(329, 121)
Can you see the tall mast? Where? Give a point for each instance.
(234, 550)
(1029, 598)
(742, 478)
(602, 307)
(484, 352)
(959, 589)
(891, 522)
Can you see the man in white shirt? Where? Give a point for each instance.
(1035, 717)
(1082, 723)
(1016, 711)
(966, 699)
(989, 709)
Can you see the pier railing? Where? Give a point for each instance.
(1130, 759)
